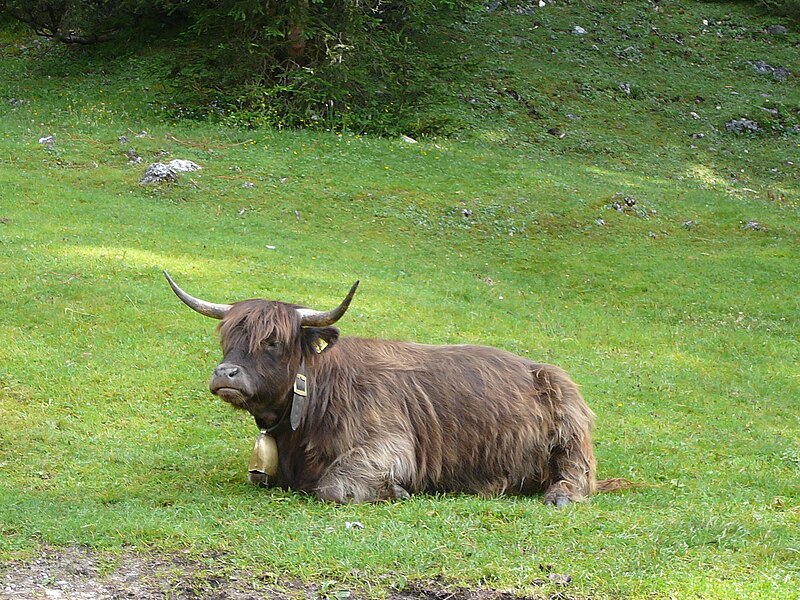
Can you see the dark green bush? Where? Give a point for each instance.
(338, 64)
(780, 8)
(784, 8)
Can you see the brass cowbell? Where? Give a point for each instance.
(264, 460)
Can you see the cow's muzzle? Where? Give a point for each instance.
(230, 383)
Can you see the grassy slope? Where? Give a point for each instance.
(684, 338)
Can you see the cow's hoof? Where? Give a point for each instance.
(557, 501)
(399, 492)
(562, 502)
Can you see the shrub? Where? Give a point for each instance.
(784, 8)
(336, 64)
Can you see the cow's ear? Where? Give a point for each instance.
(319, 339)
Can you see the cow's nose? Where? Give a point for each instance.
(225, 370)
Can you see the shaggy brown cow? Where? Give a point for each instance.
(365, 419)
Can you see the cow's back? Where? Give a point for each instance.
(453, 418)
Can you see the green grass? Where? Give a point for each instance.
(684, 338)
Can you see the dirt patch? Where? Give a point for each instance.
(76, 573)
(81, 574)
(434, 590)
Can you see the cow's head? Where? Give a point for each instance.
(263, 345)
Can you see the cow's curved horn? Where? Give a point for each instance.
(315, 318)
(209, 309)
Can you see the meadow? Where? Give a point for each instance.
(649, 251)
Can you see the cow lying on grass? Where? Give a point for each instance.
(357, 420)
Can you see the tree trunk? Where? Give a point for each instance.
(296, 33)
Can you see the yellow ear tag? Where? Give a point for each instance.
(320, 345)
(264, 459)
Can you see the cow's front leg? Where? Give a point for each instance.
(343, 491)
(366, 474)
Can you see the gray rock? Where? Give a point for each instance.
(765, 68)
(781, 73)
(776, 30)
(578, 30)
(158, 173)
(742, 125)
(762, 67)
(753, 226)
(180, 165)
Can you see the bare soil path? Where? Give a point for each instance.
(75, 573)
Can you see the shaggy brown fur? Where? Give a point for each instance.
(385, 419)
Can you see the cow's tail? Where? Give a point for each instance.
(615, 484)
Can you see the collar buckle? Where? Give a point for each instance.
(301, 385)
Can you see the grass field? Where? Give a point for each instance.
(678, 314)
